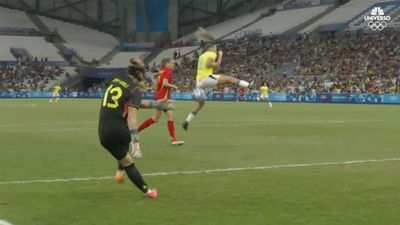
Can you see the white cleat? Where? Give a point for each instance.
(175, 143)
(251, 84)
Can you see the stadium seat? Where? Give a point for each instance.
(122, 58)
(170, 53)
(14, 18)
(283, 20)
(90, 44)
(36, 46)
(221, 29)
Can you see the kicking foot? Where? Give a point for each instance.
(251, 84)
(152, 193)
(119, 176)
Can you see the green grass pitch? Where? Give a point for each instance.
(39, 141)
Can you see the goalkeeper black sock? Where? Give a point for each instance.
(136, 178)
(120, 168)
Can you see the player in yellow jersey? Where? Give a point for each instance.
(209, 61)
(264, 93)
(56, 94)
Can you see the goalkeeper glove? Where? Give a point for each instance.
(135, 146)
(162, 104)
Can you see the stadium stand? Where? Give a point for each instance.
(32, 77)
(228, 26)
(221, 29)
(5, 53)
(344, 13)
(280, 22)
(35, 46)
(14, 18)
(283, 20)
(90, 44)
(122, 58)
(170, 53)
(351, 63)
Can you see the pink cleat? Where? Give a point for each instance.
(152, 193)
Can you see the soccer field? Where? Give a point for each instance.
(243, 163)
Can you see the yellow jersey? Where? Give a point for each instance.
(203, 70)
(57, 88)
(264, 91)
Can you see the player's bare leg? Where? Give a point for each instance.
(269, 102)
(224, 79)
(171, 128)
(150, 121)
(195, 110)
(266, 99)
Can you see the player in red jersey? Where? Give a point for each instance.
(242, 91)
(163, 89)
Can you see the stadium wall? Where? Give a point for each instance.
(365, 98)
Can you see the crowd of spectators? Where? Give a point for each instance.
(357, 62)
(34, 77)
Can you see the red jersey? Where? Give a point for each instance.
(242, 90)
(163, 92)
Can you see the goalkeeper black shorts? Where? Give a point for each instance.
(115, 139)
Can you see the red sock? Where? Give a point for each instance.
(171, 129)
(146, 124)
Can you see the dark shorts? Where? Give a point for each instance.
(116, 140)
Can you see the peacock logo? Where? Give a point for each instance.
(377, 11)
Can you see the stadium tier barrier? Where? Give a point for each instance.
(21, 30)
(365, 98)
(48, 63)
(136, 46)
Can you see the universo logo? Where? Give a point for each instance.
(377, 20)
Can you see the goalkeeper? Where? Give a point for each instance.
(118, 123)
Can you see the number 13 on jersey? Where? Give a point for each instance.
(111, 97)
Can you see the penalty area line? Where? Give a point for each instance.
(283, 166)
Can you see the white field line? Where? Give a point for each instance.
(199, 124)
(3, 222)
(46, 124)
(58, 180)
(48, 130)
(201, 121)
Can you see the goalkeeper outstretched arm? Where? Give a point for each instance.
(157, 104)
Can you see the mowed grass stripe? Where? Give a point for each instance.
(198, 124)
(57, 180)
